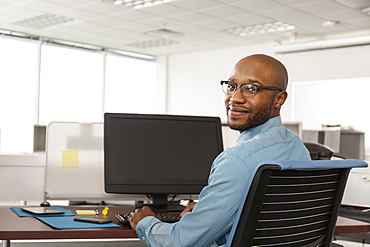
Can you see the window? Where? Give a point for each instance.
(130, 85)
(73, 85)
(18, 63)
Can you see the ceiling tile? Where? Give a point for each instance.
(234, 1)
(87, 25)
(355, 3)
(78, 13)
(137, 27)
(202, 21)
(134, 15)
(191, 29)
(192, 17)
(74, 3)
(218, 24)
(223, 10)
(249, 19)
(341, 15)
(164, 9)
(195, 4)
(13, 1)
(283, 13)
(329, 10)
(21, 12)
(45, 6)
(360, 22)
(295, 2)
(4, 5)
(101, 7)
(68, 29)
(163, 22)
(108, 20)
(258, 5)
(5, 18)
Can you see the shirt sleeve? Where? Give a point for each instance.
(212, 216)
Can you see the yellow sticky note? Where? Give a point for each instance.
(70, 158)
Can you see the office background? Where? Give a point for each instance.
(99, 57)
(187, 72)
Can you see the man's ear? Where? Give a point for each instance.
(280, 99)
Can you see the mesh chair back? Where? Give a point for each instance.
(291, 207)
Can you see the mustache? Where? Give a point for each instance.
(236, 107)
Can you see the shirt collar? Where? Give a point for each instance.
(272, 122)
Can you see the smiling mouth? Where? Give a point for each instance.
(238, 110)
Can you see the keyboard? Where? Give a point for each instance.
(168, 218)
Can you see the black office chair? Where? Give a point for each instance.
(292, 203)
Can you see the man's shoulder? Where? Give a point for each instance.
(275, 140)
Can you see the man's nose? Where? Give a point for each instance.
(237, 96)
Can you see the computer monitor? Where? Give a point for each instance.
(159, 155)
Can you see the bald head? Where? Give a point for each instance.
(246, 110)
(274, 71)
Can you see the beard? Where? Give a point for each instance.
(255, 119)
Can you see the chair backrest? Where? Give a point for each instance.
(292, 203)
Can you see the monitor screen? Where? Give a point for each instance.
(159, 154)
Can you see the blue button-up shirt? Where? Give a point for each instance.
(211, 219)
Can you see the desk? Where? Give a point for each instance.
(13, 227)
(346, 225)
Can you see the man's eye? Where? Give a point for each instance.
(231, 86)
(252, 89)
(249, 88)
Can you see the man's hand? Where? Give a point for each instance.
(140, 214)
(188, 208)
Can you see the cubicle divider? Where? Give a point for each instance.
(75, 163)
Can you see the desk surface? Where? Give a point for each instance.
(345, 225)
(13, 227)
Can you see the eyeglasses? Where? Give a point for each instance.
(247, 89)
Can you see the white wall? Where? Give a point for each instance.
(194, 80)
(193, 86)
(194, 89)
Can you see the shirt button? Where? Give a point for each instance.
(143, 238)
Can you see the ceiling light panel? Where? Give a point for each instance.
(260, 29)
(138, 4)
(154, 43)
(43, 21)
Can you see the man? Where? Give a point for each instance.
(255, 93)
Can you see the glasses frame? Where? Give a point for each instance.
(259, 87)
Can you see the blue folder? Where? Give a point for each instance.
(67, 222)
(21, 213)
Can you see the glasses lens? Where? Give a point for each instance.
(229, 87)
(249, 90)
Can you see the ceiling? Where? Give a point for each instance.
(201, 23)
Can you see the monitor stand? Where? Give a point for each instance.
(161, 204)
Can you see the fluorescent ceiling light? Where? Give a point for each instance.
(260, 29)
(43, 21)
(137, 4)
(154, 43)
(323, 44)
